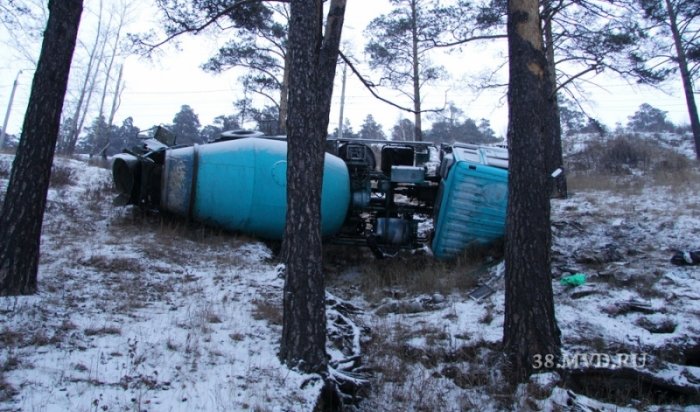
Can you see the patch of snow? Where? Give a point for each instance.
(128, 318)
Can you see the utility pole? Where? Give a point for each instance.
(342, 101)
(9, 108)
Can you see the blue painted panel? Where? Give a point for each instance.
(472, 206)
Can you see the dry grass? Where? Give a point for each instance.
(678, 181)
(11, 362)
(5, 168)
(29, 337)
(408, 377)
(625, 163)
(8, 363)
(62, 176)
(9, 337)
(422, 277)
(99, 161)
(264, 309)
(620, 388)
(596, 181)
(237, 336)
(109, 264)
(171, 237)
(616, 156)
(408, 274)
(103, 331)
(488, 315)
(7, 392)
(208, 314)
(94, 198)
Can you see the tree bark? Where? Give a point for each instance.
(530, 327)
(23, 209)
(555, 157)
(313, 62)
(284, 96)
(108, 69)
(685, 76)
(116, 98)
(418, 126)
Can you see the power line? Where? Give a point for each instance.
(170, 92)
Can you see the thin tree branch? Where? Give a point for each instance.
(267, 96)
(199, 28)
(437, 44)
(574, 77)
(370, 87)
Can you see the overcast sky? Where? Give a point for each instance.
(155, 90)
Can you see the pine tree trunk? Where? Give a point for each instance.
(284, 97)
(555, 157)
(313, 62)
(418, 126)
(25, 200)
(685, 77)
(530, 328)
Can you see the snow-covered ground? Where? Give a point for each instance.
(636, 310)
(135, 313)
(140, 312)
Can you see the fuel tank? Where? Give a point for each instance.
(241, 185)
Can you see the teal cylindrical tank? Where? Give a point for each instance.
(241, 185)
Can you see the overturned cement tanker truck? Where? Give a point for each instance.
(381, 194)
